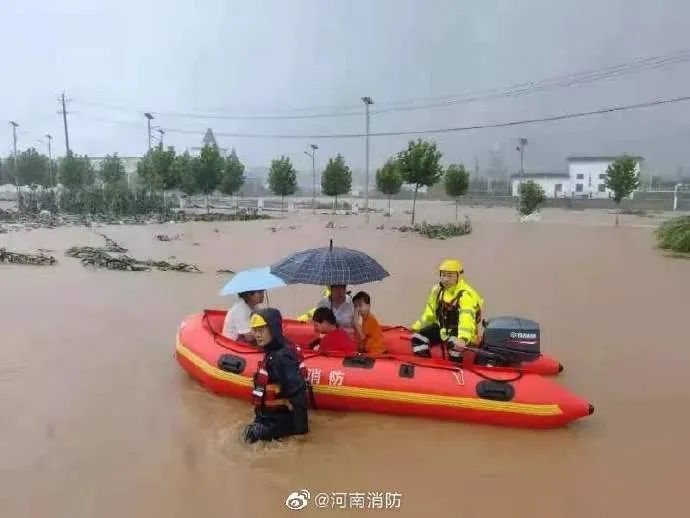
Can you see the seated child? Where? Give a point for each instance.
(334, 339)
(368, 328)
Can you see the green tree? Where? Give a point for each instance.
(5, 176)
(282, 179)
(456, 183)
(622, 177)
(112, 171)
(183, 166)
(155, 170)
(420, 165)
(112, 174)
(76, 172)
(336, 179)
(531, 197)
(32, 168)
(208, 169)
(389, 180)
(233, 175)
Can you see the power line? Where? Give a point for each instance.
(449, 130)
(559, 81)
(551, 83)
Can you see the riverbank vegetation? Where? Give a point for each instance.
(674, 236)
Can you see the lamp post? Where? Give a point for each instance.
(14, 140)
(50, 158)
(312, 155)
(149, 117)
(161, 132)
(367, 101)
(522, 142)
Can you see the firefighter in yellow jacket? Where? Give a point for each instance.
(452, 314)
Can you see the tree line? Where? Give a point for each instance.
(160, 170)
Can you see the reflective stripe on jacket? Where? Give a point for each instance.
(462, 297)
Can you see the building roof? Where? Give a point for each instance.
(209, 138)
(601, 158)
(544, 176)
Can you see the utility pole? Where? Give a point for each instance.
(522, 142)
(63, 112)
(161, 134)
(16, 180)
(313, 147)
(367, 101)
(149, 117)
(50, 158)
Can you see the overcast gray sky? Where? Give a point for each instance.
(272, 57)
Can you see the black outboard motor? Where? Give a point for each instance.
(511, 340)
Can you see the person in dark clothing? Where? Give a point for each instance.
(280, 388)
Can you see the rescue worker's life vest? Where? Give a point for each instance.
(265, 394)
(448, 313)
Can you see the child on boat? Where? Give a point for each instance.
(367, 326)
(333, 339)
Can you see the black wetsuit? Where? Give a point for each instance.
(283, 367)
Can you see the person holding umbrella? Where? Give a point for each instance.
(340, 302)
(335, 267)
(250, 286)
(236, 325)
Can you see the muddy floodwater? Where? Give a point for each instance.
(98, 420)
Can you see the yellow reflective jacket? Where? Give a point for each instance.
(469, 304)
(306, 317)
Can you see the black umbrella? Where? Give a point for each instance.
(329, 266)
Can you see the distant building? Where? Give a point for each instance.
(555, 185)
(586, 178)
(588, 175)
(208, 139)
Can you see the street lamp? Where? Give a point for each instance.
(50, 158)
(14, 139)
(522, 142)
(149, 117)
(367, 101)
(675, 196)
(313, 147)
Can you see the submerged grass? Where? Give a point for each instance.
(674, 235)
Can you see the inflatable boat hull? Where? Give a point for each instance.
(384, 385)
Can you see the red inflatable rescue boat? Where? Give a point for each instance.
(397, 341)
(402, 386)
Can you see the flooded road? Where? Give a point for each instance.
(98, 420)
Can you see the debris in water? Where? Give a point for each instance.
(439, 231)
(29, 259)
(101, 258)
(111, 245)
(166, 237)
(330, 224)
(226, 271)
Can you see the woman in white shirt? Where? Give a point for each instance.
(236, 325)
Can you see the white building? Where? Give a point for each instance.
(588, 175)
(555, 185)
(585, 178)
